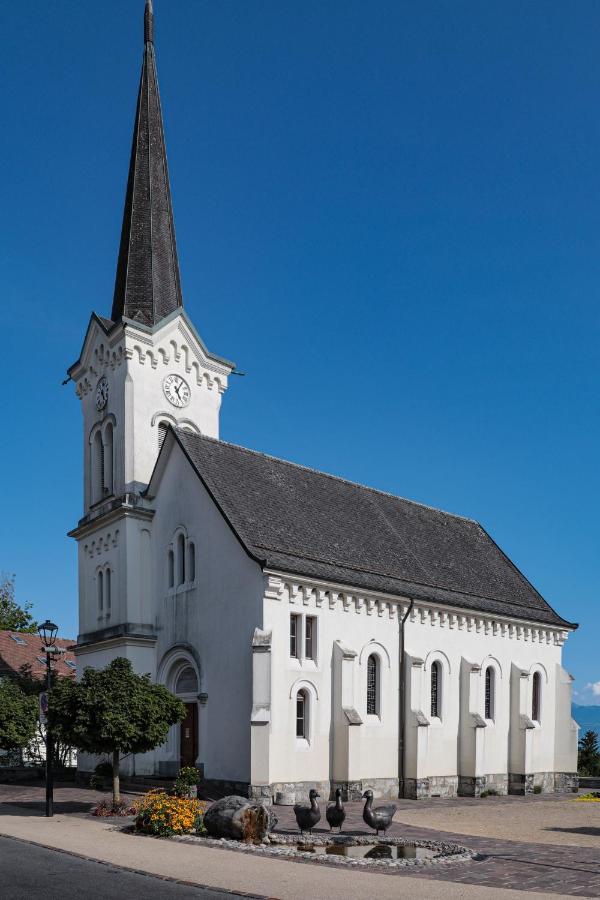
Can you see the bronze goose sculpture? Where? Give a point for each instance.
(308, 816)
(335, 812)
(379, 818)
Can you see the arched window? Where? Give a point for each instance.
(162, 433)
(108, 459)
(187, 681)
(107, 591)
(97, 473)
(490, 692)
(536, 697)
(436, 690)
(100, 593)
(191, 562)
(180, 559)
(373, 685)
(302, 713)
(171, 565)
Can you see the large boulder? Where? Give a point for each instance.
(239, 819)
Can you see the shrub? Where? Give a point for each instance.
(96, 783)
(160, 814)
(108, 808)
(593, 797)
(104, 769)
(188, 778)
(537, 789)
(490, 792)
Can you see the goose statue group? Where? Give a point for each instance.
(379, 818)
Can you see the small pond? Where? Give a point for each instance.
(368, 851)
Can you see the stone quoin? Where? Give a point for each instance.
(322, 634)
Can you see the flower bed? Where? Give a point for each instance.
(164, 815)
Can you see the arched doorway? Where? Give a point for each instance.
(186, 688)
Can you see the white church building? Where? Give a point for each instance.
(320, 633)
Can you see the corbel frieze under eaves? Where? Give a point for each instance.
(310, 593)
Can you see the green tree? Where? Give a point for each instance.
(12, 616)
(113, 711)
(588, 762)
(18, 716)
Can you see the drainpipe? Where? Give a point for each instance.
(402, 701)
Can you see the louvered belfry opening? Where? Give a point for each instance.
(147, 285)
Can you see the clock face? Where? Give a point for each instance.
(102, 393)
(177, 390)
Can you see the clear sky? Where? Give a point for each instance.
(387, 213)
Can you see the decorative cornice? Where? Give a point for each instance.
(283, 588)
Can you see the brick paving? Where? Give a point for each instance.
(500, 863)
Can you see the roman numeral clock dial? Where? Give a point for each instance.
(177, 390)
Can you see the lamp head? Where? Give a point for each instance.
(48, 631)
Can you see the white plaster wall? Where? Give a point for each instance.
(293, 760)
(216, 616)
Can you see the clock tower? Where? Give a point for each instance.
(140, 371)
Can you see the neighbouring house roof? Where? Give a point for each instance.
(19, 651)
(147, 285)
(307, 523)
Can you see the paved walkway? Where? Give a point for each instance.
(506, 869)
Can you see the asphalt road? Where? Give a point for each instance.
(27, 871)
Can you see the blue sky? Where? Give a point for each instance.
(387, 213)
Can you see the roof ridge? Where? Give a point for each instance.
(364, 487)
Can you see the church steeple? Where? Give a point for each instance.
(147, 286)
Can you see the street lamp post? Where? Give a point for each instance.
(48, 631)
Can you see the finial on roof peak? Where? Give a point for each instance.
(149, 23)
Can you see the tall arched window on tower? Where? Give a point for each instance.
(97, 467)
(302, 713)
(180, 559)
(436, 690)
(490, 692)
(100, 586)
(536, 697)
(108, 591)
(108, 458)
(171, 567)
(191, 562)
(373, 685)
(162, 433)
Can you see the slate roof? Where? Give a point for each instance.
(147, 285)
(24, 652)
(297, 520)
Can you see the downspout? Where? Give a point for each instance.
(402, 702)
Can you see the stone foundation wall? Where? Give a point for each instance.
(546, 782)
(435, 786)
(474, 787)
(383, 788)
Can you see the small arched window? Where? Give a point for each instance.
(180, 559)
(490, 692)
(187, 681)
(302, 713)
(191, 562)
(108, 459)
(100, 592)
(108, 590)
(373, 685)
(536, 697)
(171, 567)
(436, 690)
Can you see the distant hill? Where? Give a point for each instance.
(587, 717)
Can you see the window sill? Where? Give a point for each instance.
(436, 722)
(302, 744)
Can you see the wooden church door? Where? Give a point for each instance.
(189, 735)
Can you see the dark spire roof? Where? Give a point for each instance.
(147, 286)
